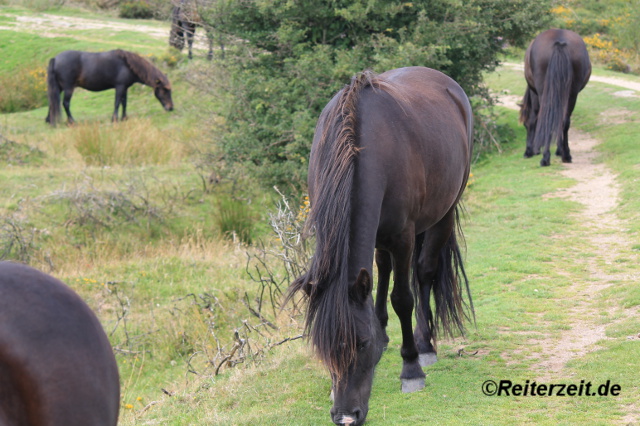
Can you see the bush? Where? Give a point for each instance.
(136, 9)
(294, 56)
(24, 90)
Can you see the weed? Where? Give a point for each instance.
(133, 142)
(15, 153)
(16, 240)
(235, 218)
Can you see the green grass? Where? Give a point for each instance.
(168, 266)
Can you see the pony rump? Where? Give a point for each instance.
(555, 97)
(145, 70)
(329, 320)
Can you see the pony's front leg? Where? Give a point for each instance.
(210, 42)
(124, 105)
(412, 376)
(385, 266)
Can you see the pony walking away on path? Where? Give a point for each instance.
(557, 68)
(57, 367)
(389, 162)
(115, 69)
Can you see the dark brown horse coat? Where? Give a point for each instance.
(389, 162)
(57, 367)
(97, 71)
(557, 68)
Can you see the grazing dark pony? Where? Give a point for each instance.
(100, 71)
(557, 68)
(184, 20)
(389, 162)
(57, 367)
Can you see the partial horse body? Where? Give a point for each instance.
(557, 68)
(184, 20)
(115, 69)
(389, 162)
(57, 367)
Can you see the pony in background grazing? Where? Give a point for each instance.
(115, 69)
(57, 367)
(389, 161)
(557, 68)
(184, 20)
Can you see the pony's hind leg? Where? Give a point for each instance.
(439, 268)
(385, 266)
(429, 267)
(529, 116)
(423, 334)
(563, 145)
(66, 103)
(412, 376)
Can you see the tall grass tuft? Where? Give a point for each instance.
(235, 219)
(135, 142)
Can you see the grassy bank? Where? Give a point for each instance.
(137, 233)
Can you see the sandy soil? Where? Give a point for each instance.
(597, 190)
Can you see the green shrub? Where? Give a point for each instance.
(23, 90)
(136, 9)
(294, 57)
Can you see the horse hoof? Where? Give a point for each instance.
(566, 160)
(428, 359)
(412, 385)
(544, 163)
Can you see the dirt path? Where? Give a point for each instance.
(47, 25)
(597, 190)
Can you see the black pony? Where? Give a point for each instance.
(184, 20)
(389, 162)
(100, 71)
(57, 367)
(557, 68)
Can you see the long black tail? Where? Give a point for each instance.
(555, 97)
(449, 284)
(525, 108)
(53, 90)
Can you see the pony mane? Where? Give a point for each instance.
(144, 69)
(329, 320)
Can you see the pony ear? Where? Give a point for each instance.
(361, 289)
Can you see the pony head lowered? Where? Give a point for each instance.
(340, 319)
(151, 76)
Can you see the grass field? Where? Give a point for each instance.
(140, 238)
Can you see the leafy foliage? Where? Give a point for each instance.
(136, 9)
(610, 30)
(295, 55)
